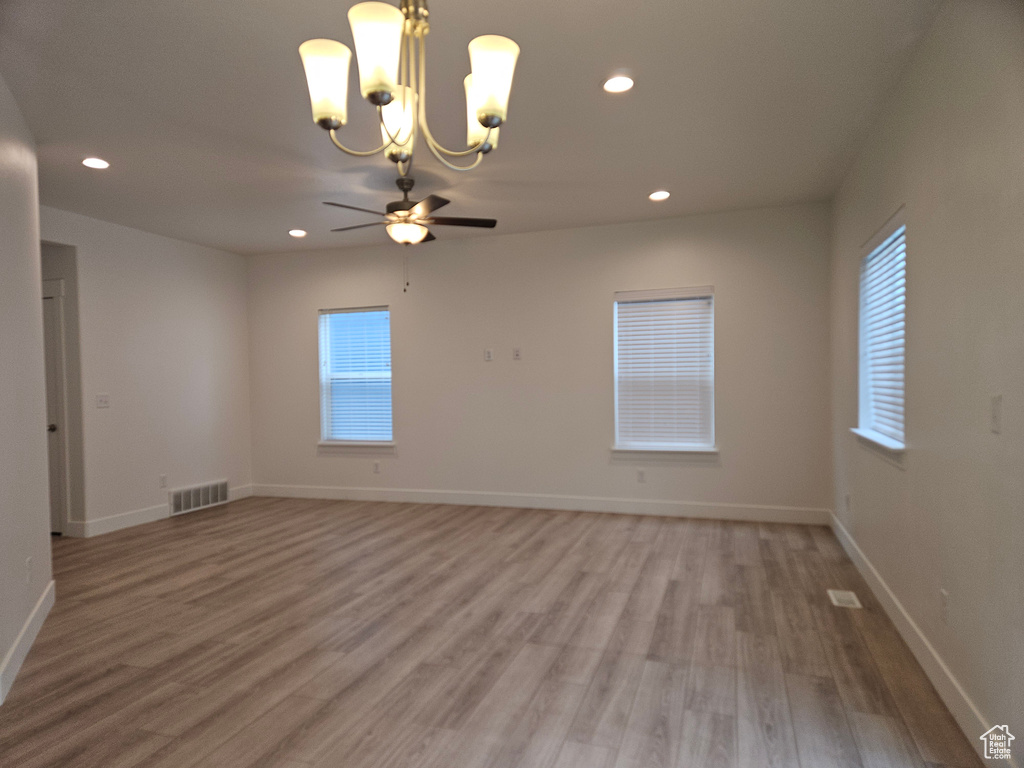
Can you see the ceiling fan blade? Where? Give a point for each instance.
(428, 204)
(428, 238)
(360, 226)
(457, 221)
(355, 208)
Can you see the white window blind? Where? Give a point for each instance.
(664, 369)
(355, 374)
(883, 285)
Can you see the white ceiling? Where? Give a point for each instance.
(201, 109)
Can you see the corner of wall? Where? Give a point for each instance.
(11, 663)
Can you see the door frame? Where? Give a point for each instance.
(54, 289)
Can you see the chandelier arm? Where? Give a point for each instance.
(408, 62)
(403, 67)
(434, 146)
(431, 142)
(409, 74)
(403, 61)
(409, 92)
(384, 127)
(452, 166)
(356, 152)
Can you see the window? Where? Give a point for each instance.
(883, 285)
(355, 374)
(665, 370)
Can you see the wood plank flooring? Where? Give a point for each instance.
(278, 633)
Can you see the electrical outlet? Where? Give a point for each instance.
(944, 602)
(996, 414)
(516, 354)
(641, 476)
(103, 401)
(376, 467)
(163, 481)
(488, 355)
(28, 570)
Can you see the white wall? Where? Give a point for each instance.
(538, 432)
(951, 148)
(163, 332)
(25, 591)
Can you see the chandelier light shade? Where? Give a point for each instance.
(476, 132)
(406, 233)
(492, 64)
(390, 46)
(326, 63)
(377, 32)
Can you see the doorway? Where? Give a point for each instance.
(54, 339)
(63, 388)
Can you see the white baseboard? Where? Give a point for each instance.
(111, 523)
(15, 657)
(664, 508)
(240, 492)
(959, 702)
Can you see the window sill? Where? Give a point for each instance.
(876, 440)
(662, 449)
(355, 446)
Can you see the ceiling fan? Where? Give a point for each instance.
(407, 222)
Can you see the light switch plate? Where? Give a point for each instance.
(102, 401)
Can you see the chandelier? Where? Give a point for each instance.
(391, 54)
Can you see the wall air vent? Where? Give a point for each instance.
(184, 500)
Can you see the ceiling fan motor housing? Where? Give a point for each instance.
(405, 184)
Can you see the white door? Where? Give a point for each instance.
(53, 337)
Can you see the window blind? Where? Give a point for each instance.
(883, 285)
(355, 374)
(664, 369)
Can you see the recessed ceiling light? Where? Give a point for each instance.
(297, 232)
(95, 162)
(660, 195)
(618, 84)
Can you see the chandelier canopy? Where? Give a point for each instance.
(391, 54)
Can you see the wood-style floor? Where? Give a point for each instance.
(299, 634)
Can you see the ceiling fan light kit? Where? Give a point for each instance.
(407, 233)
(391, 55)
